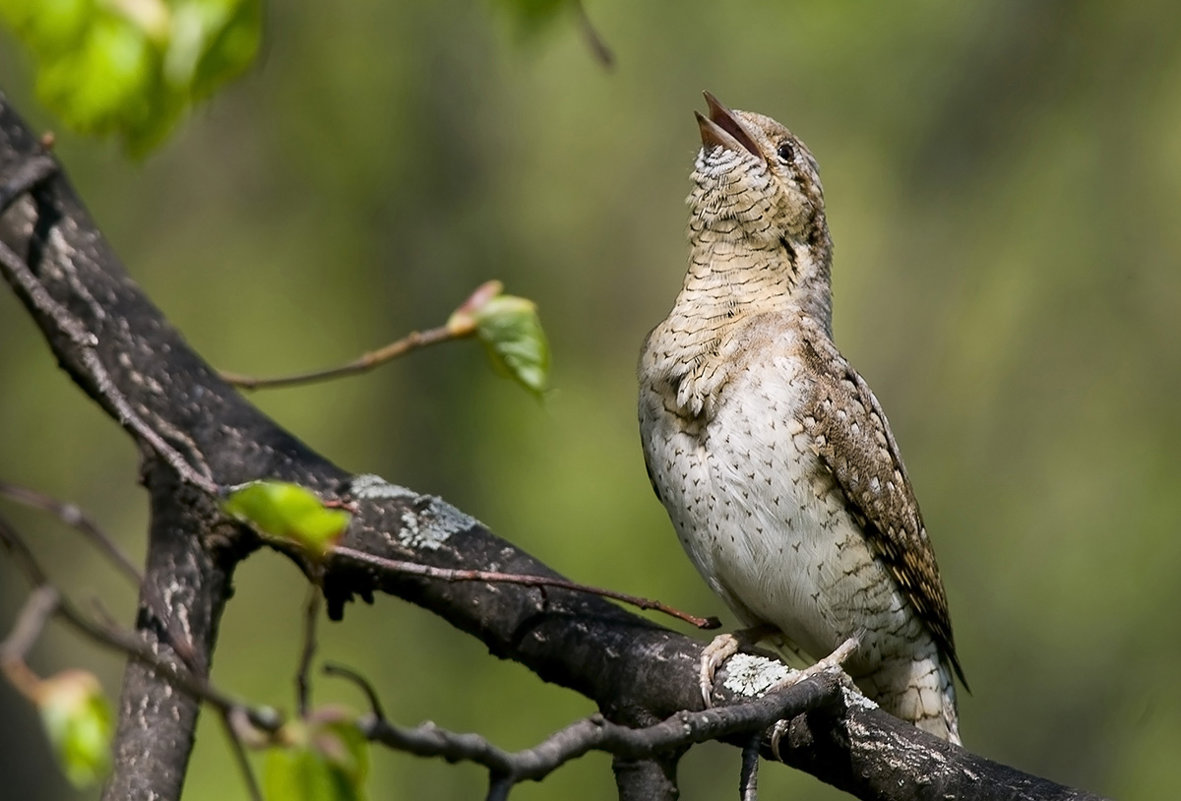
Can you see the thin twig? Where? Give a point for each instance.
(366, 362)
(332, 669)
(30, 622)
(19, 550)
(448, 574)
(240, 758)
(310, 615)
(596, 42)
(38, 608)
(74, 517)
(176, 638)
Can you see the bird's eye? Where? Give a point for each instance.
(786, 153)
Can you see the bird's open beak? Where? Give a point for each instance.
(723, 128)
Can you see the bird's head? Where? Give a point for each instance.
(755, 180)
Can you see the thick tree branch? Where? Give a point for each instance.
(156, 725)
(198, 434)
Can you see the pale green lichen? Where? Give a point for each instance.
(750, 675)
(428, 524)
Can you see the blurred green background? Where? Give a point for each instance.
(1003, 184)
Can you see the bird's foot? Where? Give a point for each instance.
(834, 660)
(717, 652)
(722, 648)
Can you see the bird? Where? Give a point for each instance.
(770, 453)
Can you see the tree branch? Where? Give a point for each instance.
(672, 735)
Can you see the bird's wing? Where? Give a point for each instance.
(853, 440)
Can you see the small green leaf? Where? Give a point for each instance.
(325, 758)
(288, 511)
(511, 331)
(78, 720)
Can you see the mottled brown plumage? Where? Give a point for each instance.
(771, 454)
(854, 442)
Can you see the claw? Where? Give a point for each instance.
(713, 657)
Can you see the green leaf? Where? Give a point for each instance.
(105, 81)
(50, 26)
(288, 511)
(79, 722)
(511, 332)
(131, 68)
(325, 758)
(213, 41)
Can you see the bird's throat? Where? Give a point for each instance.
(730, 278)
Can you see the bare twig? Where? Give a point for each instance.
(596, 42)
(240, 759)
(308, 652)
(19, 550)
(74, 517)
(343, 672)
(366, 362)
(30, 622)
(448, 574)
(596, 734)
(39, 607)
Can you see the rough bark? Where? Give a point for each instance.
(156, 725)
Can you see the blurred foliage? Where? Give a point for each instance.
(325, 758)
(131, 67)
(79, 722)
(1002, 182)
